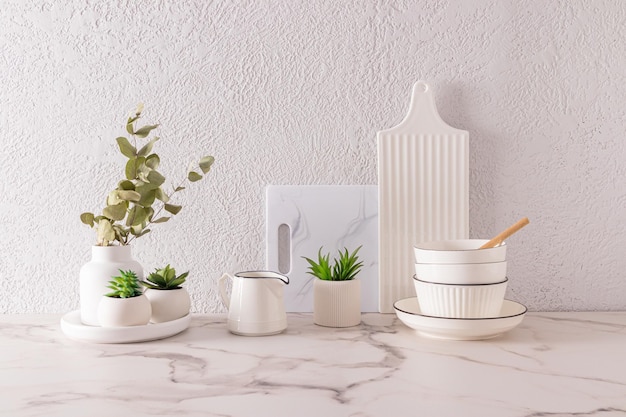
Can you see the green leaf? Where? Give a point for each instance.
(161, 220)
(147, 197)
(129, 124)
(205, 163)
(171, 208)
(126, 185)
(129, 195)
(87, 218)
(126, 148)
(132, 167)
(136, 216)
(194, 176)
(147, 148)
(115, 212)
(155, 178)
(145, 131)
(179, 189)
(161, 195)
(106, 233)
(153, 161)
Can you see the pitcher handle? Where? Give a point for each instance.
(222, 286)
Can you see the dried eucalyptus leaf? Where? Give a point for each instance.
(106, 233)
(153, 161)
(194, 176)
(87, 218)
(115, 212)
(155, 178)
(205, 163)
(147, 197)
(129, 195)
(147, 148)
(132, 167)
(126, 185)
(161, 220)
(171, 208)
(161, 195)
(136, 216)
(145, 130)
(149, 214)
(126, 148)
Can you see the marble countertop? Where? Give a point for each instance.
(553, 364)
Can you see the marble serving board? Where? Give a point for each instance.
(302, 218)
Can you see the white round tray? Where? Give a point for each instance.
(73, 328)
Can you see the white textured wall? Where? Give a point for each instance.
(293, 92)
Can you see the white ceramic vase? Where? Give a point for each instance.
(123, 312)
(106, 262)
(337, 303)
(168, 305)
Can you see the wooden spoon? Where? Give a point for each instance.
(506, 233)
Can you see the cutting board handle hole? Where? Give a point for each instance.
(284, 249)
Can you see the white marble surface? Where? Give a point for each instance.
(553, 364)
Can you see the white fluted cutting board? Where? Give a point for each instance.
(423, 185)
(332, 216)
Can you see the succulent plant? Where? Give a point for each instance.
(126, 285)
(165, 279)
(344, 269)
(129, 208)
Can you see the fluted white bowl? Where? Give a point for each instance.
(458, 251)
(484, 273)
(460, 301)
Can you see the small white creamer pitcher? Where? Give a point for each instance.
(255, 306)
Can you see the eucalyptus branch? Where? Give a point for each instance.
(129, 210)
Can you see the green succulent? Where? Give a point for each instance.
(165, 279)
(126, 285)
(139, 198)
(344, 269)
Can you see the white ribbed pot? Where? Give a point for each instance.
(106, 262)
(168, 305)
(123, 312)
(337, 303)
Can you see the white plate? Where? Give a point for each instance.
(511, 315)
(75, 329)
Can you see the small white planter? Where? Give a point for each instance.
(122, 312)
(105, 263)
(337, 303)
(168, 305)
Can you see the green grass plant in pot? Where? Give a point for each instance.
(336, 291)
(169, 300)
(125, 305)
(139, 201)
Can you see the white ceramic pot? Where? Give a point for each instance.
(106, 262)
(337, 303)
(168, 305)
(123, 312)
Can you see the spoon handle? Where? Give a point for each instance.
(506, 233)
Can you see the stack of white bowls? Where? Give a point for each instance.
(456, 279)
